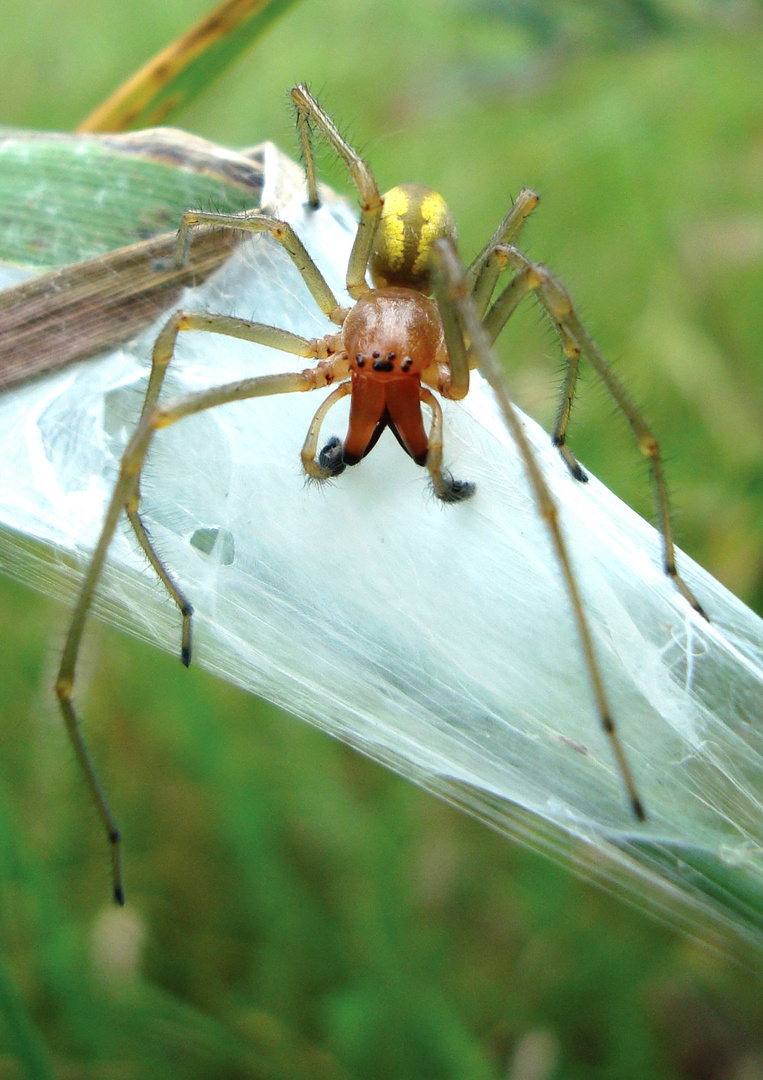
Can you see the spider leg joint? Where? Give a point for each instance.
(557, 297)
(64, 686)
(648, 445)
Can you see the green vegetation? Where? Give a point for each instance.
(295, 911)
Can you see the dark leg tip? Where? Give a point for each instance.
(331, 457)
(185, 641)
(638, 809)
(683, 588)
(456, 490)
(119, 896)
(570, 460)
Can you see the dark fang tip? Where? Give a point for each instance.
(185, 655)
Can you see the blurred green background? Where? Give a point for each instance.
(295, 911)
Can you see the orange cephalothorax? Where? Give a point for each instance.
(391, 336)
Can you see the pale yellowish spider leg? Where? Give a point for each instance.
(163, 350)
(446, 488)
(557, 303)
(310, 112)
(65, 680)
(508, 301)
(125, 497)
(559, 434)
(255, 222)
(527, 280)
(310, 447)
(455, 384)
(176, 594)
(453, 290)
(482, 275)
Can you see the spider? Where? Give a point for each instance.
(412, 334)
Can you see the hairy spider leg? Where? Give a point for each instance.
(310, 113)
(126, 497)
(255, 222)
(527, 280)
(575, 339)
(163, 351)
(482, 276)
(557, 304)
(453, 290)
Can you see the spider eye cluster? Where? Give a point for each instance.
(392, 332)
(413, 218)
(384, 361)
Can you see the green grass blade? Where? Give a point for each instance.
(182, 71)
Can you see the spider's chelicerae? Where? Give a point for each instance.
(413, 334)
